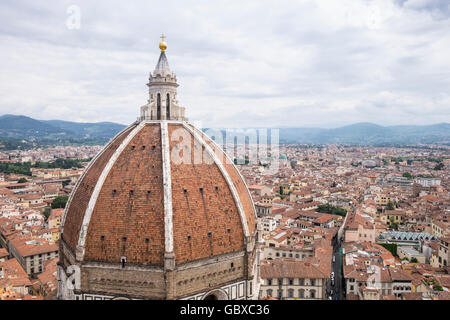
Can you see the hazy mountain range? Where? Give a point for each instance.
(370, 134)
(24, 132)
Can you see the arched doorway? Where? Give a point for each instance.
(217, 294)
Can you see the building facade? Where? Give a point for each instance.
(293, 280)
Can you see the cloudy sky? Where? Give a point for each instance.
(311, 63)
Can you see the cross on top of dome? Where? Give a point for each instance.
(162, 44)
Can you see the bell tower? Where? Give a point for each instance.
(162, 84)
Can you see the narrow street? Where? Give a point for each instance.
(336, 267)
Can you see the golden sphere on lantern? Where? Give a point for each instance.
(162, 44)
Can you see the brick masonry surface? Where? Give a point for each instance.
(240, 187)
(206, 220)
(81, 196)
(128, 218)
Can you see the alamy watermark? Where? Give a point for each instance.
(254, 147)
(73, 21)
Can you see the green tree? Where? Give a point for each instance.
(439, 166)
(22, 180)
(437, 287)
(407, 175)
(328, 208)
(392, 247)
(414, 260)
(390, 206)
(59, 202)
(46, 213)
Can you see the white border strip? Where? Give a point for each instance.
(225, 175)
(91, 163)
(167, 184)
(99, 185)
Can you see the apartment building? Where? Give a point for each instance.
(288, 279)
(31, 253)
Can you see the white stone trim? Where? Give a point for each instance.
(91, 163)
(167, 185)
(98, 187)
(225, 175)
(230, 289)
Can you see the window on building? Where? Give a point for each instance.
(291, 282)
(291, 293)
(313, 282)
(280, 282)
(269, 282)
(312, 293)
(301, 293)
(280, 294)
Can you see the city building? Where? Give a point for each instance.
(287, 279)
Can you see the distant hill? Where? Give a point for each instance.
(88, 130)
(370, 134)
(361, 134)
(21, 127)
(25, 132)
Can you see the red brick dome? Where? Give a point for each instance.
(146, 194)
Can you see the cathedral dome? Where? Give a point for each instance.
(146, 193)
(161, 212)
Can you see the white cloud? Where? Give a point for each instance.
(252, 63)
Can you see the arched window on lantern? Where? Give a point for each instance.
(168, 107)
(158, 107)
